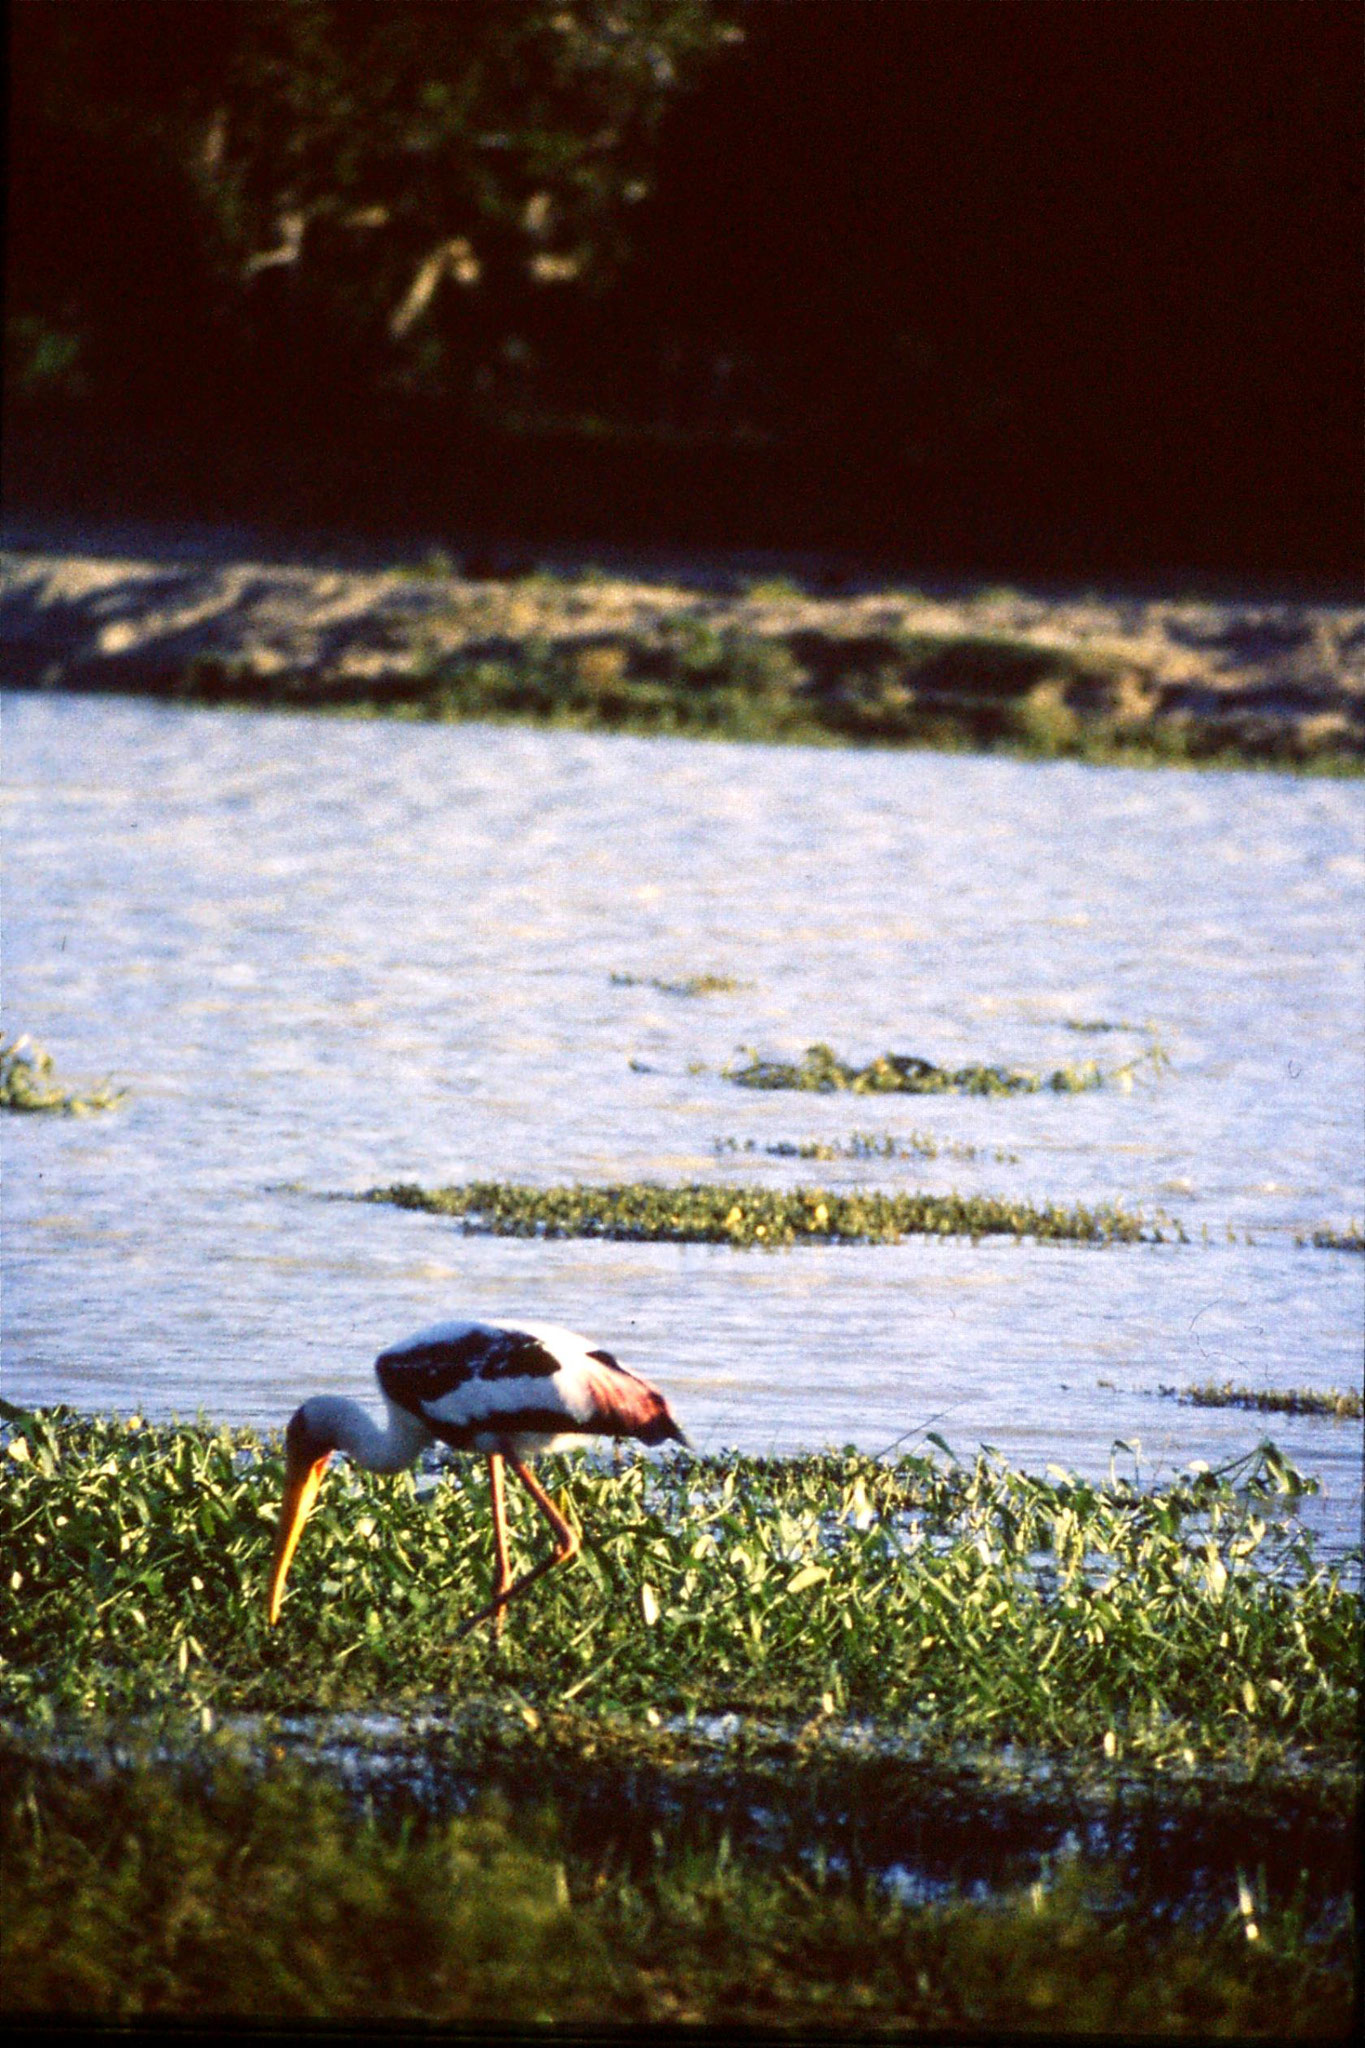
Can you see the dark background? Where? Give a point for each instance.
(1017, 287)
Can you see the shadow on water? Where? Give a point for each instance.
(843, 1801)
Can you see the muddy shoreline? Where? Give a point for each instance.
(208, 615)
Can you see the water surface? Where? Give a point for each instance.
(322, 954)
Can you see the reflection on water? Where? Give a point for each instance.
(322, 954)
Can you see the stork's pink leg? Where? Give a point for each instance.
(568, 1540)
(503, 1579)
(567, 1546)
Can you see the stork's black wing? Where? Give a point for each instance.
(420, 1373)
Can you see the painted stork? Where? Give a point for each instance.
(508, 1390)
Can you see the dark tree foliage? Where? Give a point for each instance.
(1024, 285)
(344, 171)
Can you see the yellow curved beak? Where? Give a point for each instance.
(301, 1483)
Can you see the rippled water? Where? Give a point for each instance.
(322, 954)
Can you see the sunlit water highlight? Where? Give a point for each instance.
(322, 954)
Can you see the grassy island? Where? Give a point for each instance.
(745, 1217)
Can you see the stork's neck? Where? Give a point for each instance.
(344, 1425)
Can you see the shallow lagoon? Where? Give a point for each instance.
(322, 954)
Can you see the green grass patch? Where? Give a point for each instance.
(957, 1601)
(1273, 1400)
(745, 1217)
(821, 1071)
(212, 1885)
(28, 1083)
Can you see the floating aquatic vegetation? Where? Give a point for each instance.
(701, 1213)
(1351, 1239)
(1273, 1400)
(821, 1070)
(869, 1145)
(28, 1082)
(687, 985)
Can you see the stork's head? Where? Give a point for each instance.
(307, 1448)
(625, 1405)
(650, 1418)
(661, 1427)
